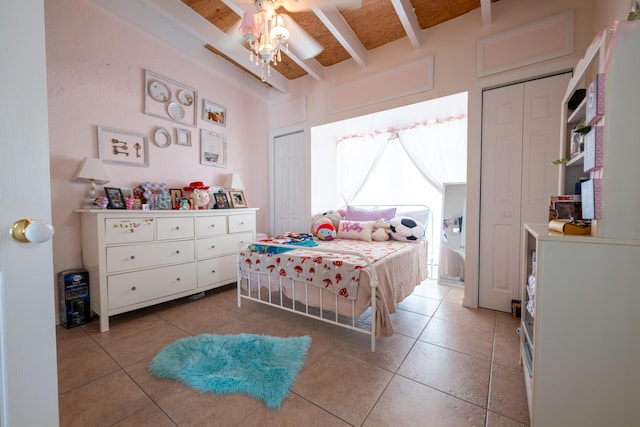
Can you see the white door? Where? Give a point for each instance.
(520, 139)
(290, 210)
(28, 373)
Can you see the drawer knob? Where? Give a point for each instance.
(213, 246)
(132, 257)
(241, 222)
(177, 279)
(133, 288)
(178, 251)
(131, 230)
(213, 271)
(212, 225)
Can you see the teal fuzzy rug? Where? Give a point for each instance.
(261, 366)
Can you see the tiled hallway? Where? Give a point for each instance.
(445, 366)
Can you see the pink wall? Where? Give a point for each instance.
(95, 68)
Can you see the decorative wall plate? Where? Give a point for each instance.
(176, 112)
(185, 98)
(159, 91)
(162, 138)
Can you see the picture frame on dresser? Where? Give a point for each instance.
(221, 201)
(238, 199)
(115, 197)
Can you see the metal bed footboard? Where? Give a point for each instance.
(270, 289)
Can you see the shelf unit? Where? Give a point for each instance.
(579, 347)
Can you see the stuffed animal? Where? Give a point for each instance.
(323, 229)
(200, 198)
(334, 216)
(381, 230)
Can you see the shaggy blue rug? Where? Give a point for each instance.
(261, 366)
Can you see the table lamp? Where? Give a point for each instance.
(233, 182)
(92, 171)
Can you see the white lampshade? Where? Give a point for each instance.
(233, 182)
(92, 171)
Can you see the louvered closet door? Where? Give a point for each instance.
(290, 184)
(520, 139)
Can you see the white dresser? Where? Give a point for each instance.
(140, 258)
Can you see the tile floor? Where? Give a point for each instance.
(445, 366)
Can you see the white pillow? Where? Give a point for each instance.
(355, 230)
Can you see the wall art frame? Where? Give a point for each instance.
(169, 100)
(213, 149)
(123, 147)
(183, 137)
(214, 113)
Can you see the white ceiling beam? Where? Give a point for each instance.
(485, 6)
(409, 20)
(335, 22)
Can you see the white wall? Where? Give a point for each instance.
(95, 69)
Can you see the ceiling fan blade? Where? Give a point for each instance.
(304, 5)
(300, 42)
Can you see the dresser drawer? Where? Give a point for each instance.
(141, 286)
(221, 270)
(128, 230)
(215, 246)
(122, 258)
(238, 223)
(174, 228)
(211, 225)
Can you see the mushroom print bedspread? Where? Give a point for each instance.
(336, 271)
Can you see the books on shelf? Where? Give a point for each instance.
(592, 198)
(594, 149)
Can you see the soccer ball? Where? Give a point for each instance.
(406, 230)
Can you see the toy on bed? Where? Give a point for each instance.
(323, 228)
(406, 229)
(381, 230)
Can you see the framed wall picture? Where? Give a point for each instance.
(115, 197)
(122, 147)
(237, 199)
(169, 100)
(213, 149)
(214, 113)
(183, 137)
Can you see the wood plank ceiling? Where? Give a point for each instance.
(374, 24)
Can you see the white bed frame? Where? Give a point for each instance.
(256, 290)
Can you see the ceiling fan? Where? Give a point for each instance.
(268, 32)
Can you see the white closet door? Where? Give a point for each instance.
(290, 210)
(520, 137)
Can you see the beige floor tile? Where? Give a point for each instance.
(134, 348)
(408, 403)
(409, 323)
(451, 372)
(506, 350)
(431, 289)
(151, 416)
(89, 362)
(124, 325)
(508, 396)
(198, 317)
(420, 305)
(389, 354)
(155, 388)
(187, 407)
(295, 412)
(102, 402)
(455, 295)
(470, 316)
(342, 385)
(497, 420)
(462, 337)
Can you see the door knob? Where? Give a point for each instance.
(27, 230)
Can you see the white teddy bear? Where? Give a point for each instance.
(381, 230)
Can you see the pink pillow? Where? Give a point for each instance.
(355, 230)
(363, 214)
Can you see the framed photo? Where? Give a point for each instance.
(183, 137)
(169, 100)
(176, 196)
(221, 201)
(237, 199)
(127, 192)
(213, 149)
(214, 113)
(115, 197)
(122, 147)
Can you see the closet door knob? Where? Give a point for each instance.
(133, 288)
